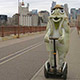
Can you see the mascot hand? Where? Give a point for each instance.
(46, 38)
(61, 39)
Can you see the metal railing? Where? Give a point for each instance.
(8, 30)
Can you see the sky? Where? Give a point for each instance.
(10, 7)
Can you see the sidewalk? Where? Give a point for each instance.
(12, 36)
(73, 60)
(9, 40)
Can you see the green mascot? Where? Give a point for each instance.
(57, 27)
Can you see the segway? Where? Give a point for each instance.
(55, 73)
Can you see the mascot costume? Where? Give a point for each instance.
(57, 27)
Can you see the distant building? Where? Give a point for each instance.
(26, 17)
(34, 11)
(73, 13)
(75, 17)
(66, 9)
(72, 21)
(44, 15)
(9, 21)
(3, 19)
(78, 11)
(53, 4)
(15, 19)
(78, 20)
(35, 19)
(23, 11)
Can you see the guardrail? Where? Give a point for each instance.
(8, 30)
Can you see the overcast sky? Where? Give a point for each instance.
(10, 7)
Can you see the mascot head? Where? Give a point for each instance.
(57, 14)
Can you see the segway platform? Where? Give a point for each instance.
(55, 74)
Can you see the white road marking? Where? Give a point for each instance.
(33, 78)
(21, 52)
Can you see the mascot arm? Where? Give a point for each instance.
(66, 26)
(46, 38)
(61, 38)
(65, 30)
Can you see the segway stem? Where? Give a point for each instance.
(54, 44)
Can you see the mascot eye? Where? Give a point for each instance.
(52, 12)
(61, 11)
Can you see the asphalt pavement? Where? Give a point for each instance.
(21, 58)
(24, 58)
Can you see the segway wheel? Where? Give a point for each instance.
(65, 72)
(46, 73)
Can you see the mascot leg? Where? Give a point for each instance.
(61, 54)
(51, 59)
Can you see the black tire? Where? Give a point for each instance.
(65, 72)
(46, 73)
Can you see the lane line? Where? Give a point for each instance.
(36, 74)
(31, 48)
(33, 78)
(19, 51)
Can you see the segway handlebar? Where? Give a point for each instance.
(51, 38)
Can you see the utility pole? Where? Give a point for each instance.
(18, 21)
(22, 4)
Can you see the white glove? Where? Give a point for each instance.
(61, 39)
(46, 38)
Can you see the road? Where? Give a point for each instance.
(21, 58)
